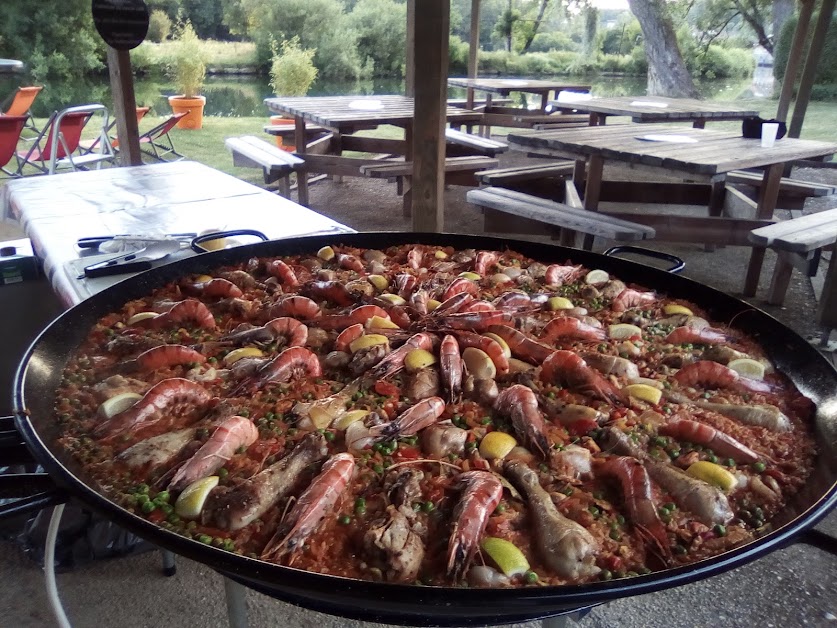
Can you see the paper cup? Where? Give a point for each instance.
(768, 134)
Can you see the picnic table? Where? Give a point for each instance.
(659, 109)
(344, 116)
(701, 155)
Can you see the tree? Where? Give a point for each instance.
(667, 73)
(542, 8)
(504, 28)
(381, 27)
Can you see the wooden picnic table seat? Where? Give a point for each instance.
(288, 130)
(478, 104)
(799, 243)
(788, 187)
(504, 176)
(570, 217)
(249, 151)
(466, 144)
(458, 170)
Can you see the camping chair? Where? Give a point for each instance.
(56, 144)
(157, 142)
(10, 129)
(88, 146)
(19, 103)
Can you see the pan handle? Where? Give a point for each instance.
(820, 540)
(679, 264)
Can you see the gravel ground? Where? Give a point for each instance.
(795, 586)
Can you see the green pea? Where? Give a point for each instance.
(360, 502)
(148, 507)
(501, 508)
(142, 488)
(427, 506)
(680, 550)
(329, 436)
(593, 510)
(344, 520)
(142, 499)
(229, 545)
(379, 469)
(758, 467)
(163, 496)
(670, 506)
(729, 462)
(167, 508)
(606, 574)
(531, 577)
(222, 473)
(620, 519)
(205, 539)
(614, 534)
(712, 458)
(720, 530)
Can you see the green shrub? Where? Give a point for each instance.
(187, 67)
(381, 28)
(458, 56)
(720, 62)
(292, 70)
(159, 26)
(622, 64)
(548, 42)
(826, 68)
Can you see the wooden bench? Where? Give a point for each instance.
(462, 103)
(788, 187)
(799, 243)
(570, 217)
(249, 151)
(458, 170)
(503, 176)
(466, 144)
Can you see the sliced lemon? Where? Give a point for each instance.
(393, 298)
(478, 363)
(203, 278)
(432, 304)
(676, 308)
(440, 254)
(647, 381)
(418, 359)
(322, 416)
(190, 502)
(379, 322)
(623, 331)
(497, 445)
(714, 474)
(748, 368)
(141, 316)
(214, 245)
(326, 253)
(366, 341)
(503, 344)
(559, 303)
(345, 420)
(505, 555)
(118, 403)
(379, 281)
(644, 392)
(469, 275)
(595, 277)
(243, 352)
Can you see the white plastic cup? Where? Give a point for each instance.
(768, 134)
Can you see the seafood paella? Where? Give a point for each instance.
(432, 416)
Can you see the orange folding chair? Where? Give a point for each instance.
(88, 146)
(10, 129)
(157, 142)
(19, 104)
(57, 145)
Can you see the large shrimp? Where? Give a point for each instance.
(450, 367)
(694, 335)
(284, 273)
(481, 493)
(453, 304)
(629, 298)
(460, 284)
(565, 546)
(476, 321)
(558, 275)
(217, 288)
(513, 301)
(405, 284)
(702, 434)
(167, 355)
(612, 365)
(706, 374)
(349, 262)
(519, 403)
(485, 260)
(478, 306)
(394, 361)
(569, 369)
(490, 346)
(233, 433)
(310, 509)
(289, 330)
(159, 402)
(415, 257)
(296, 306)
(567, 327)
(359, 314)
(334, 291)
(521, 346)
(283, 367)
(360, 435)
(188, 310)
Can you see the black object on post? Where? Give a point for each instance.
(751, 127)
(123, 24)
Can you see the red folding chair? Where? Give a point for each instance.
(157, 142)
(88, 146)
(19, 103)
(57, 145)
(10, 129)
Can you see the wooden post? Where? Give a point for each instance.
(809, 72)
(410, 58)
(124, 106)
(794, 58)
(473, 50)
(428, 184)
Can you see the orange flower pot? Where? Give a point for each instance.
(287, 145)
(193, 107)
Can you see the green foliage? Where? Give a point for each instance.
(458, 55)
(556, 40)
(381, 32)
(622, 38)
(187, 67)
(782, 49)
(505, 26)
(55, 39)
(714, 61)
(826, 77)
(292, 70)
(159, 26)
(206, 17)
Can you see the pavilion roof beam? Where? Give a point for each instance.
(806, 9)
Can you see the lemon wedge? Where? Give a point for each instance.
(644, 392)
(676, 308)
(326, 253)
(190, 502)
(503, 344)
(559, 303)
(469, 275)
(432, 304)
(379, 281)
(214, 245)
(623, 331)
(478, 363)
(595, 277)
(497, 445)
(440, 254)
(418, 359)
(141, 316)
(393, 298)
(345, 420)
(118, 403)
(203, 278)
(366, 341)
(505, 555)
(714, 474)
(379, 322)
(244, 352)
(747, 367)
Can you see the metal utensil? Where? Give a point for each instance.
(134, 261)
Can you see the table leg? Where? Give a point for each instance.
(827, 313)
(302, 173)
(485, 131)
(716, 203)
(407, 185)
(544, 101)
(592, 193)
(699, 123)
(768, 194)
(236, 604)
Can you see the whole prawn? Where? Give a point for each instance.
(476, 321)
(558, 275)
(521, 346)
(706, 374)
(317, 501)
(394, 361)
(280, 369)
(426, 412)
(334, 291)
(567, 327)
(349, 262)
(188, 310)
(359, 314)
(453, 304)
(693, 335)
(283, 273)
(166, 355)
(294, 333)
(481, 493)
(484, 260)
(450, 367)
(519, 403)
(702, 434)
(218, 288)
(296, 307)
(458, 285)
(629, 298)
(571, 370)
(490, 346)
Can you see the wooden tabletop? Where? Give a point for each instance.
(336, 111)
(505, 86)
(712, 152)
(659, 109)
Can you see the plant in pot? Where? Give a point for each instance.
(291, 73)
(188, 70)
